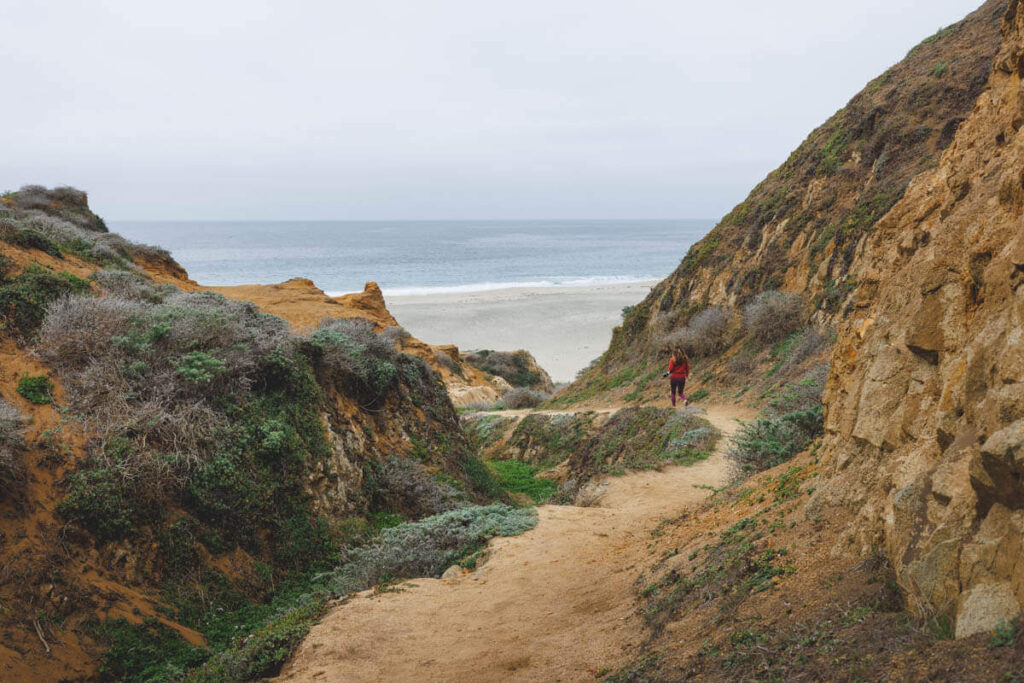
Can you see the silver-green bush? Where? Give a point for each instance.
(427, 547)
(354, 353)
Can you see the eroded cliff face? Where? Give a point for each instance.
(925, 402)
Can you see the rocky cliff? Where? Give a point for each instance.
(901, 223)
(799, 229)
(925, 402)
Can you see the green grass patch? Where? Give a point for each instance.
(24, 298)
(597, 384)
(145, 652)
(698, 395)
(520, 477)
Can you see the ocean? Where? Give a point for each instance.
(423, 257)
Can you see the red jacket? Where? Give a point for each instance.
(680, 371)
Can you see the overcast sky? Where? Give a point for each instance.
(323, 109)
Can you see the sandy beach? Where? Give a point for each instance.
(563, 327)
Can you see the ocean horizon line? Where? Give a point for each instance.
(112, 222)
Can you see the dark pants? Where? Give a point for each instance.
(678, 385)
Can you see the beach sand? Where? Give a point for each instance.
(563, 327)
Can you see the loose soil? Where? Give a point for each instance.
(555, 604)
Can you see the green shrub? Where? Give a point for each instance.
(644, 438)
(515, 367)
(37, 390)
(406, 486)
(479, 476)
(520, 398)
(1004, 634)
(29, 239)
(832, 153)
(99, 501)
(262, 652)
(698, 395)
(199, 367)
(769, 441)
(24, 299)
(353, 353)
(553, 438)
(164, 374)
(804, 394)
(131, 284)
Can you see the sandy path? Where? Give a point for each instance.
(555, 604)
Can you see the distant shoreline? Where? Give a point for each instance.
(564, 327)
(482, 287)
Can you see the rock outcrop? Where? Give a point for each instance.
(512, 369)
(304, 305)
(925, 403)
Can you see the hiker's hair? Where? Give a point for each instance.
(679, 354)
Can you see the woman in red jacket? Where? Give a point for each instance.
(678, 371)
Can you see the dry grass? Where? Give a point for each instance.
(773, 315)
(521, 398)
(706, 334)
(157, 374)
(406, 486)
(12, 442)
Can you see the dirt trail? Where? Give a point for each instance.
(554, 604)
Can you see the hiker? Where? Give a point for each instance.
(678, 371)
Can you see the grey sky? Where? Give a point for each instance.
(444, 109)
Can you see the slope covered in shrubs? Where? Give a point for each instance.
(58, 222)
(796, 234)
(206, 406)
(518, 368)
(205, 458)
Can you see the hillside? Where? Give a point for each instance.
(177, 463)
(799, 229)
(885, 255)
